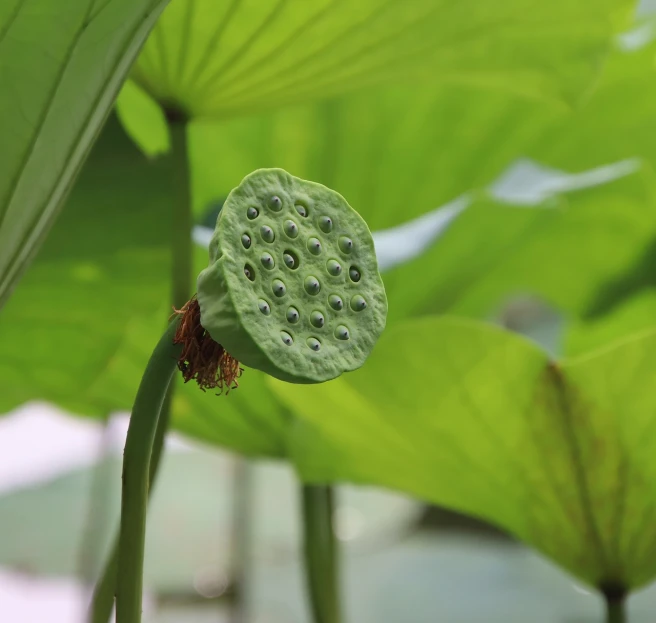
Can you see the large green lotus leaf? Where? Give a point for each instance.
(470, 417)
(216, 58)
(561, 250)
(391, 153)
(615, 123)
(605, 131)
(59, 73)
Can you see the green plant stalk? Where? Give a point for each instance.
(182, 222)
(320, 552)
(242, 516)
(136, 475)
(103, 595)
(181, 277)
(615, 607)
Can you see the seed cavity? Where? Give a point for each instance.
(314, 246)
(354, 274)
(336, 302)
(302, 210)
(246, 241)
(267, 261)
(286, 338)
(275, 203)
(290, 259)
(249, 272)
(291, 229)
(278, 287)
(334, 268)
(312, 285)
(252, 213)
(358, 303)
(342, 332)
(326, 224)
(317, 319)
(292, 315)
(345, 244)
(265, 308)
(267, 233)
(313, 343)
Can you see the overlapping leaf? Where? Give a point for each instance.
(126, 289)
(59, 73)
(81, 327)
(479, 420)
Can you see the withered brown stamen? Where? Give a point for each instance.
(202, 358)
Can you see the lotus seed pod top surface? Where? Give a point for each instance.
(293, 287)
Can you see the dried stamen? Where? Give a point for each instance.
(202, 358)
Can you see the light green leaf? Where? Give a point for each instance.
(59, 73)
(143, 120)
(470, 417)
(560, 250)
(392, 154)
(217, 59)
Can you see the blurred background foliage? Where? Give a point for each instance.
(504, 159)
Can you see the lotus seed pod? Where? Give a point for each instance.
(303, 300)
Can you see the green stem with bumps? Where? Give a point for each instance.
(181, 278)
(320, 552)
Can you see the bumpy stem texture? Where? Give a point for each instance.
(320, 550)
(136, 475)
